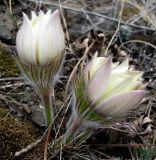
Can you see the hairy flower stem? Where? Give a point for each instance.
(48, 110)
(74, 124)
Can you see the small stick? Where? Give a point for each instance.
(46, 144)
(29, 147)
(12, 79)
(138, 41)
(64, 21)
(118, 27)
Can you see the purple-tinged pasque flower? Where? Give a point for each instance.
(103, 90)
(112, 88)
(40, 47)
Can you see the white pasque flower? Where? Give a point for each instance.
(40, 46)
(112, 87)
(40, 40)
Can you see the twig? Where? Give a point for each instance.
(61, 152)
(100, 15)
(118, 27)
(61, 108)
(138, 41)
(29, 147)
(5, 3)
(64, 21)
(62, 119)
(87, 16)
(10, 6)
(46, 144)
(12, 85)
(12, 79)
(124, 145)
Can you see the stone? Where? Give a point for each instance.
(5, 34)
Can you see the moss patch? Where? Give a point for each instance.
(8, 66)
(16, 135)
(3, 112)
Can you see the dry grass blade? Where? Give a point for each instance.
(57, 133)
(46, 143)
(118, 27)
(139, 41)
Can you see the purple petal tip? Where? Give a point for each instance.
(56, 13)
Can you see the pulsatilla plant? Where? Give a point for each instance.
(102, 91)
(40, 46)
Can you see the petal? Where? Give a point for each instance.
(51, 40)
(120, 104)
(35, 41)
(99, 81)
(89, 64)
(33, 15)
(94, 65)
(24, 41)
(135, 74)
(114, 81)
(123, 86)
(87, 70)
(41, 14)
(123, 67)
(115, 64)
(48, 12)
